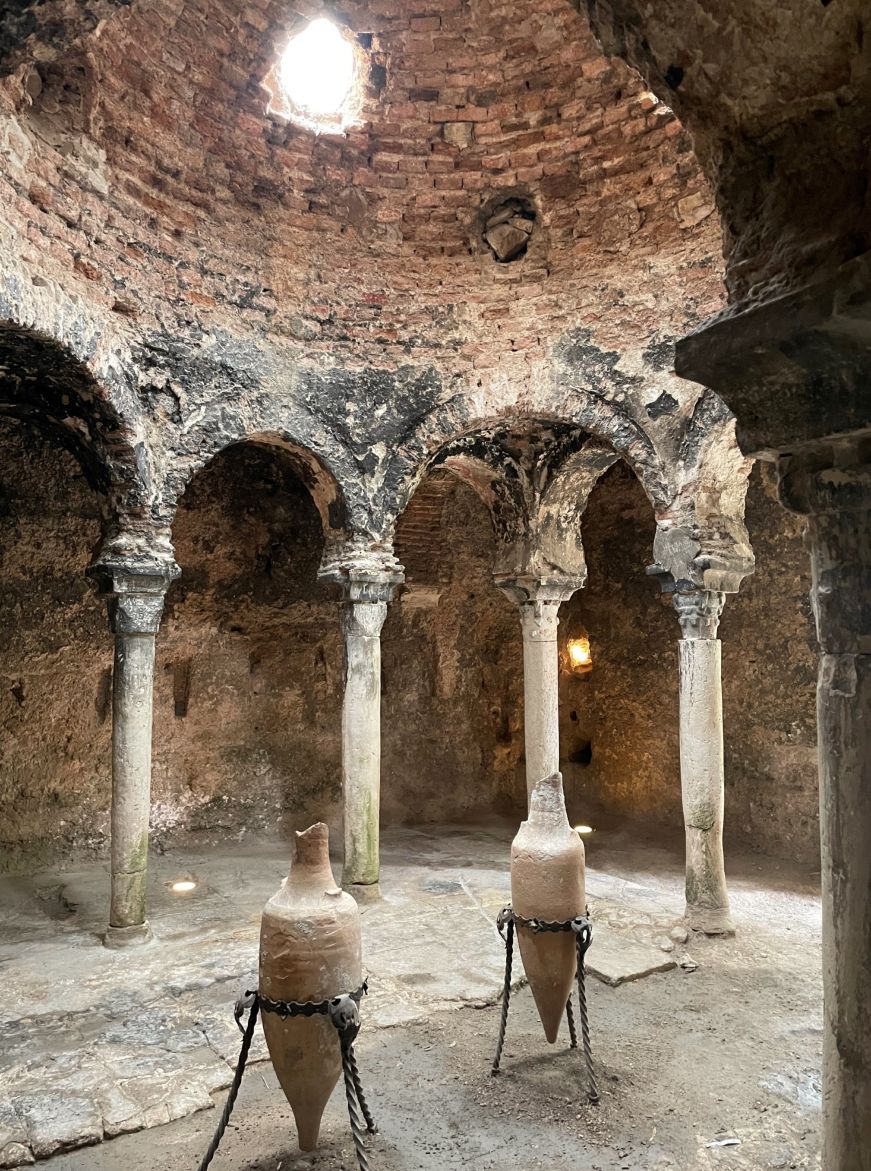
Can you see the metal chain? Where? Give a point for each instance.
(506, 987)
(570, 1017)
(353, 1112)
(250, 1001)
(364, 1105)
(307, 1008)
(508, 914)
(345, 1015)
(583, 940)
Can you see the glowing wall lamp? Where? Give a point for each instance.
(580, 658)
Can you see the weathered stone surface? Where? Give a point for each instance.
(59, 1122)
(108, 1031)
(616, 960)
(766, 89)
(14, 1151)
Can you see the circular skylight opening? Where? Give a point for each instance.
(318, 76)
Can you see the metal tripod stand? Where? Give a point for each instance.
(583, 932)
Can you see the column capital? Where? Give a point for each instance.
(699, 613)
(365, 575)
(535, 592)
(135, 591)
(538, 600)
(368, 591)
(832, 487)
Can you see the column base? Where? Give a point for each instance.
(710, 920)
(369, 892)
(120, 937)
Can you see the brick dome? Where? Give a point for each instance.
(146, 159)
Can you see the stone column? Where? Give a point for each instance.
(539, 603)
(135, 596)
(834, 491)
(363, 613)
(701, 760)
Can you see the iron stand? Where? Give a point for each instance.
(583, 932)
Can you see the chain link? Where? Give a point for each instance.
(294, 1008)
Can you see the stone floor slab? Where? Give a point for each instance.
(615, 959)
(137, 1039)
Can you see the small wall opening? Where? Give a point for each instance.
(319, 78)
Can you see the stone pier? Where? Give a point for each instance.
(835, 495)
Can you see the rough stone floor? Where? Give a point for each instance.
(711, 1064)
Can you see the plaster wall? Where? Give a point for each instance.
(55, 655)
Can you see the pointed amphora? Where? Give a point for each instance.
(310, 950)
(547, 882)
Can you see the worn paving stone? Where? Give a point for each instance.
(13, 1138)
(59, 1122)
(614, 959)
(137, 1041)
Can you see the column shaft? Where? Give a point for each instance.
(363, 616)
(132, 690)
(135, 594)
(844, 722)
(540, 689)
(701, 761)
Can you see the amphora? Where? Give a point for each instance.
(547, 882)
(310, 950)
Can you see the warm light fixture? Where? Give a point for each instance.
(583, 829)
(183, 885)
(317, 69)
(580, 656)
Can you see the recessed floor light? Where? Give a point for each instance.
(583, 829)
(183, 886)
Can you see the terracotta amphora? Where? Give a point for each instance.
(547, 882)
(310, 949)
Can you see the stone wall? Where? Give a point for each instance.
(453, 668)
(248, 683)
(55, 656)
(626, 709)
(249, 673)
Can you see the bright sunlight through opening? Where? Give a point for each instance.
(317, 69)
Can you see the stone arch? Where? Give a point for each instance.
(564, 501)
(585, 415)
(314, 469)
(57, 376)
(497, 481)
(702, 539)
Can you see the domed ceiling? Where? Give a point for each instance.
(511, 225)
(145, 144)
